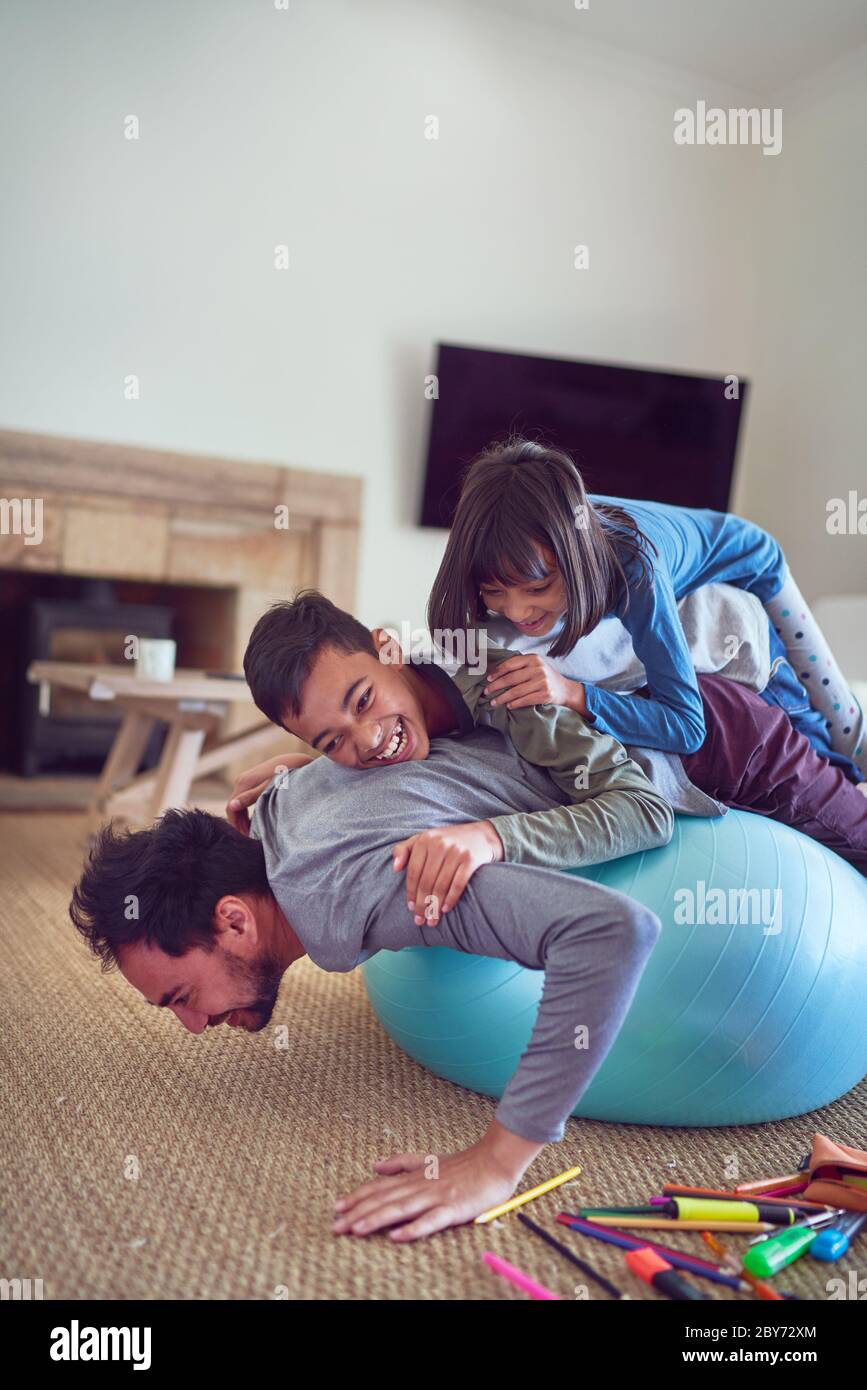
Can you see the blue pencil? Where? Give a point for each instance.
(689, 1262)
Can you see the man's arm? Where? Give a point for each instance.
(591, 942)
(592, 945)
(613, 807)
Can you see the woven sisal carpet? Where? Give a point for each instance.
(240, 1149)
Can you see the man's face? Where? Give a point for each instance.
(235, 983)
(360, 711)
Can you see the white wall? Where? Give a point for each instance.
(307, 127)
(807, 436)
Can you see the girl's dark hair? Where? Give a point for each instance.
(161, 885)
(520, 492)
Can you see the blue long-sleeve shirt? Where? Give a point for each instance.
(694, 547)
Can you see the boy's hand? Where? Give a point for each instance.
(531, 680)
(440, 863)
(251, 784)
(429, 1192)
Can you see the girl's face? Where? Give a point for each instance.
(533, 606)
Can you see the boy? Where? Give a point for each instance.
(752, 757)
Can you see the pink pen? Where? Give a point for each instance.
(516, 1277)
(785, 1191)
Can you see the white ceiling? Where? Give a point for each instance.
(760, 45)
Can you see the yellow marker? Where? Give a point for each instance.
(523, 1197)
(697, 1208)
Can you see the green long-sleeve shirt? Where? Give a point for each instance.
(613, 808)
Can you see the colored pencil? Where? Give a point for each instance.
(786, 1180)
(609, 1235)
(788, 1191)
(517, 1277)
(572, 1257)
(762, 1289)
(529, 1196)
(668, 1223)
(671, 1190)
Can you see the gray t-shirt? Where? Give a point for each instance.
(328, 833)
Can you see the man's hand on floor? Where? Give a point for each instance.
(440, 863)
(419, 1194)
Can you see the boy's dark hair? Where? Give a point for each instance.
(285, 643)
(520, 492)
(161, 885)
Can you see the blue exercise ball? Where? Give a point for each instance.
(751, 1007)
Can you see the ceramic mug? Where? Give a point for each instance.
(156, 658)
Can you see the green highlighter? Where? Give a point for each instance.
(771, 1255)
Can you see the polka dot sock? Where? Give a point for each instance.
(814, 664)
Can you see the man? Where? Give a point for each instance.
(220, 917)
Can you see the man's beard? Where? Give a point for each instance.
(262, 978)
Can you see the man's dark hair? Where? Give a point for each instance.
(285, 643)
(161, 885)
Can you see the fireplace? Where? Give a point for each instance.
(59, 730)
(80, 619)
(212, 540)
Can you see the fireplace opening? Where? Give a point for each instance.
(85, 620)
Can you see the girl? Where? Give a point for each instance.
(541, 565)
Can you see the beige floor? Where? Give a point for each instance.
(56, 793)
(241, 1148)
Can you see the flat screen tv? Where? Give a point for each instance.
(659, 436)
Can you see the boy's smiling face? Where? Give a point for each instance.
(361, 711)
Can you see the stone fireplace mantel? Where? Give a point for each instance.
(214, 540)
(119, 511)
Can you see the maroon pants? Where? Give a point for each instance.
(754, 759)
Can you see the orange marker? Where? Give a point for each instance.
(654, 1270)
